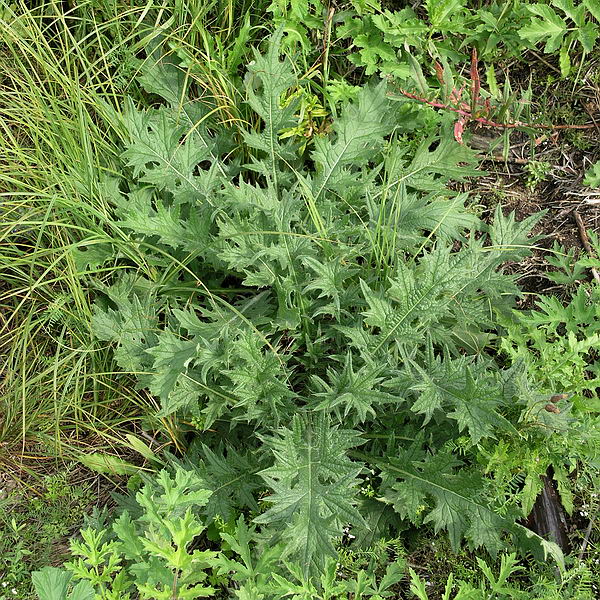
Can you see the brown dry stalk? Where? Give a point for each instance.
(586, 242)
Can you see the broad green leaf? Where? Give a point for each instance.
(164, 78)
(576, 14)
(105, 463)
(163, 155)
(269, 78)
(490, 76)
(172, 356)
(51, 583)
(549, 28)
(131, 324)
(357, 137)
(594, 7)
(232, 479)
(587, 36)
(141, 447)
(401, 28)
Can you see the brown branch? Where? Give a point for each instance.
(586, 539)
(586, 242)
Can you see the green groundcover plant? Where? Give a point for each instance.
(382, 37)
(152, 551)
(425, 48)
(322, 319)
(320, 328)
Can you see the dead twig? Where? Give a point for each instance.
(586, 242)
(586, 539)
(501, 159)
(549, 65)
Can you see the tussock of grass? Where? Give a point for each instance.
(65, 72)
(57, 107)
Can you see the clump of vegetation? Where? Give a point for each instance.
(255, 263)
(36, 523)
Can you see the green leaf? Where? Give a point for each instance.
(490, 77)
(417, 585)
(401, 28)
(329, 280)
(231, 478)
(373, 51)
(549, 28)
(417, 74)
(587, 36)
(256, 569)
(268, 80)
(105, 463)
(163, 78)
(314, 487)
(475, 409)
(141, 212)
(458, 494)
(51, 583)
(380, 310)
(92, 254)
(172, 356)
(435, 162)
(259, 381)
(592, 176)
(511, 237)
(441, 11)
(163, 155)
(357, 136)
(141, 447)
(128, 534)
(131, 324)
(467, 387)
(356, 395)
(564, 61)
(577, 15)
(594, 7)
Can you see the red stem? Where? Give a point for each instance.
(487, 122)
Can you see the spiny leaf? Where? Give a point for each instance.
(350, 393)
(144, 215)
(314, 487)
(358, 135)
(329, 280)
(435, 162)
(132, 326)
(231, 477)
(268, 80)
(259, 381)
(163, 155)
(172, 357)
(459, 502)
